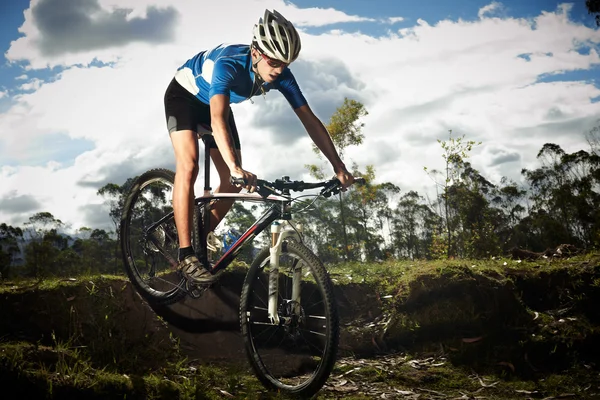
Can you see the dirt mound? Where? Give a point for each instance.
(527, 322)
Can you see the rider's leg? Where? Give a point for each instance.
(185, 145)
(221, 207)
(184, 114)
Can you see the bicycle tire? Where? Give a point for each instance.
(324, 286)
(136, 248)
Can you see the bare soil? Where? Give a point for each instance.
(523, 326)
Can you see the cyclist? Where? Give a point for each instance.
(198, 101)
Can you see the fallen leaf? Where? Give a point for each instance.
(472, 340)
(487, 385)
(507, 364)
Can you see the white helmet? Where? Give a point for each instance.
(276, 37)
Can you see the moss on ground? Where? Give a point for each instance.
(499, 329)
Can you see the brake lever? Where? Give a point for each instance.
(332, 188)
(237, 181)
(261, 188)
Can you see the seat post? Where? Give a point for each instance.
(204, 221)
(207, 143)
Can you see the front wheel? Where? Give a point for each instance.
(297, 353)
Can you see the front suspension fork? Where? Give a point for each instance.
(277, 237)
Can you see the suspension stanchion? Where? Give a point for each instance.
(275, 252)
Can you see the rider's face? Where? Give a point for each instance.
(268, 69)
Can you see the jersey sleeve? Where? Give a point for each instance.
(223, 76)
(290, 89)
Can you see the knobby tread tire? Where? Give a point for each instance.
(155, 297)
(325, 285)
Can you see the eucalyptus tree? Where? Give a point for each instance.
(10, 237)
(565, 196)
(455, 151)
(345, 128)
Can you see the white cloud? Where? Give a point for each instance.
(393, 20)
(489, 9)
(33, 84)
(3, 93)
(312, 17)
(416, 84)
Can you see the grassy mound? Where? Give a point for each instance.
(495, 329)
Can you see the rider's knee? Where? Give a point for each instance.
(188, 168)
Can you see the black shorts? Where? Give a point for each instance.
(184, 111)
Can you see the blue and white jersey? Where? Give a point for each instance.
(227, 69)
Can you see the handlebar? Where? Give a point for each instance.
(284, 186)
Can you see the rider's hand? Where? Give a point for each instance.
(344, 177)
(248, 177)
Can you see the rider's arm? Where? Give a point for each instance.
(319, 135)
(219, 115)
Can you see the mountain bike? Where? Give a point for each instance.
(288, 314)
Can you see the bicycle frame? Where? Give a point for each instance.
(279, 211)
(270, 217)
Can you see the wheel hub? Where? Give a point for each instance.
(292, 316)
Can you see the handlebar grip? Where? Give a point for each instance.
(237, 181)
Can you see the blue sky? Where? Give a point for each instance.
(11, 18)
(81, 106)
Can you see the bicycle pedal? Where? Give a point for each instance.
(196, 290)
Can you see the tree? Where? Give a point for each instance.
(94, 248)
(345, 129)
(115, 196)
(363, 201)
(455, 152)
(509, 200)
(40, 223)
(385, 215)
(410, 228)
(593, 7)
(477, 221)
(593, 139)
(566, 198)
(9, 247)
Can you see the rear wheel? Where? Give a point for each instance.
(297, 354)
(149, 240)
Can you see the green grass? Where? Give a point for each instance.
(498, 328)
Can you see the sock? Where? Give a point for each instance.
(185, 252)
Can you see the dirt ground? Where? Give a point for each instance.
(525, 328)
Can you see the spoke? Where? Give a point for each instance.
(263, 323)
(274, 331)
(321, 351)
(314, 305)
(315, 333)
(266, 290)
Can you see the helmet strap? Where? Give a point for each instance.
(257, 77)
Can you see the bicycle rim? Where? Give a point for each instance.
(297, 355)
(150, 249)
